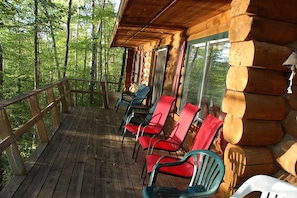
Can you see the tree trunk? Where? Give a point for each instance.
(53, 38)
(36, 49)
(94, 55)
(1, 97)
(1, 72)
(95, 36)
(68, 37)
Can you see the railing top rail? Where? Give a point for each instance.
(84, 80)
(7, 102)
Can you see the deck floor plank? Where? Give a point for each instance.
(85, 158)
(77, 136)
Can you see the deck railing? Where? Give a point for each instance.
(42, 108)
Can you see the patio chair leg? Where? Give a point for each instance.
(143, 180)
(134, 149)
(143, 169)
(123, 134)
(137, 152)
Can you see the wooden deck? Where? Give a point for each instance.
(85, 158)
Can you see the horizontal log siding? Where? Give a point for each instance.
(260, 38)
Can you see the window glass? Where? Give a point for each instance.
(159, 73)
(136, 69)
(205, 77)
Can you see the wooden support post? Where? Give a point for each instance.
(13, 154)
(129, 67)
(63, 98)
(104, 92)
(54, 110)
(40, 126)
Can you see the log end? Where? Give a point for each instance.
(288, 161)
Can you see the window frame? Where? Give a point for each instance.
(203, 42)
(159, 64)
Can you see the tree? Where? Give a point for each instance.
(68, 37)
(46, 5)
(34, 42)
(36, 47)
(1, 71)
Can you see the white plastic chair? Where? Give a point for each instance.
(269, 186)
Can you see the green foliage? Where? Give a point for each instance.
(17, 41)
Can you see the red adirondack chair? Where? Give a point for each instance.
(174, 142)
(206, 134)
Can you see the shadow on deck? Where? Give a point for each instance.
(85, 158)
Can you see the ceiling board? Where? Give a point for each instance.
(140, 20)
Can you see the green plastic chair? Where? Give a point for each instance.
(138, 114)
(127, 100)
(208, 172)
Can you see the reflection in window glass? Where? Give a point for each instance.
(136, 69)
(206, 70)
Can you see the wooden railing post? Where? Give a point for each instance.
(63, 98)
(68, 92)
(35, 110)
(104, 92)
(54, 110)
(13, 154)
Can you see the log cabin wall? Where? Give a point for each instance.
(260, 124)
(174, 42)
(147, 51)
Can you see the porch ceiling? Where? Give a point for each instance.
(141, 21)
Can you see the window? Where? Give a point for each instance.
(205, 78)
(159, 72)
(136, 69)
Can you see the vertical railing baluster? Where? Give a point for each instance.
(54, 110)
(13, 153)
(40, 126)
(63, 97)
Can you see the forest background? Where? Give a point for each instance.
(42, 41)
